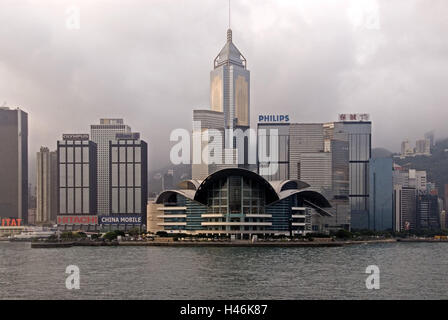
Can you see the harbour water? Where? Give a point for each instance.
(407, 271)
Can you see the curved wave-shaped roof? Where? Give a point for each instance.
(282, 185)
(165, 195)
(276, 190)
(189, 184)
(309, 195)
(201, 194)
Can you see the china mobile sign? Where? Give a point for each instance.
(11, 222)
(108, 220)
(78, 220)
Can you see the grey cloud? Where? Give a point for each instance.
(149, 62)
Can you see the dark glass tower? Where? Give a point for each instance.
(14, 164)
(128, 167)
(77, 175)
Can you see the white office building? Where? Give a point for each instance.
(303, 138)
(316, 170)
(101, 134)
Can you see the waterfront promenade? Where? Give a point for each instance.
(237, 243)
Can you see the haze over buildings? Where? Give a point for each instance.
(309, 58)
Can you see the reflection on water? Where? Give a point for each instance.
(408, 271)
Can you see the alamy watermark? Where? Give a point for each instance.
(73, 18)
(73, 281)
(226, 147)
(373, 280)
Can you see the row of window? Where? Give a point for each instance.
(74, 201)
(74, 153)
(126, 175)
(74, 175)
(126, 200)
(122, 154)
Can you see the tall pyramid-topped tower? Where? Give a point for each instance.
(230, 86)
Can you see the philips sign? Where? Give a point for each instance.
(273, 118)
(107, 220)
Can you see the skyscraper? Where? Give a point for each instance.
(168, 180)
(431, 137)
(209, 120)
(230, 109)
(280, 170)
(333, 156)
(129, 173)
(359, 135)
(304, 138)
(337, 144)
(406, 149)
(77, 168)
(381, 192)
(101, 134)
(410, 178)
(428, 212)
(47, 186)
(230, 87)
(316, 170)
(405, 208)
(14, 164)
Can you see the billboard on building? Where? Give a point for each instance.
(69, 137)
(357, 117)
(77, 220)
(108, 220)
(11, 222)
(273, 118)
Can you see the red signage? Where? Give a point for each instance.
(77, 220)
(7, 222)
(354, 117)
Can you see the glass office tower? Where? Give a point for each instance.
(14, 164)
(381, 194)
(129, 175)
(264, 132)
(359, 136)
(77, 178)
(101, 134)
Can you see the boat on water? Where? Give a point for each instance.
(33, 233)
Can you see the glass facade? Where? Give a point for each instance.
(128, 176)
(360, 145)
(265, 135)
(381, 195)
(238, 201)
(76, 177)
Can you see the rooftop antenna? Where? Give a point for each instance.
(229, 14)
(229, 31)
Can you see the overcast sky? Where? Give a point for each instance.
(149, 61)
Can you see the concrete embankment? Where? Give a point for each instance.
(231, 244)
(371, 241)
(307, 244)
(423, 240)
(52, 245)
(161, 243)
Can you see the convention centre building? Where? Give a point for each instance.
(240, 202)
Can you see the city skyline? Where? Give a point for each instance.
(90, 79)
(205, 153)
